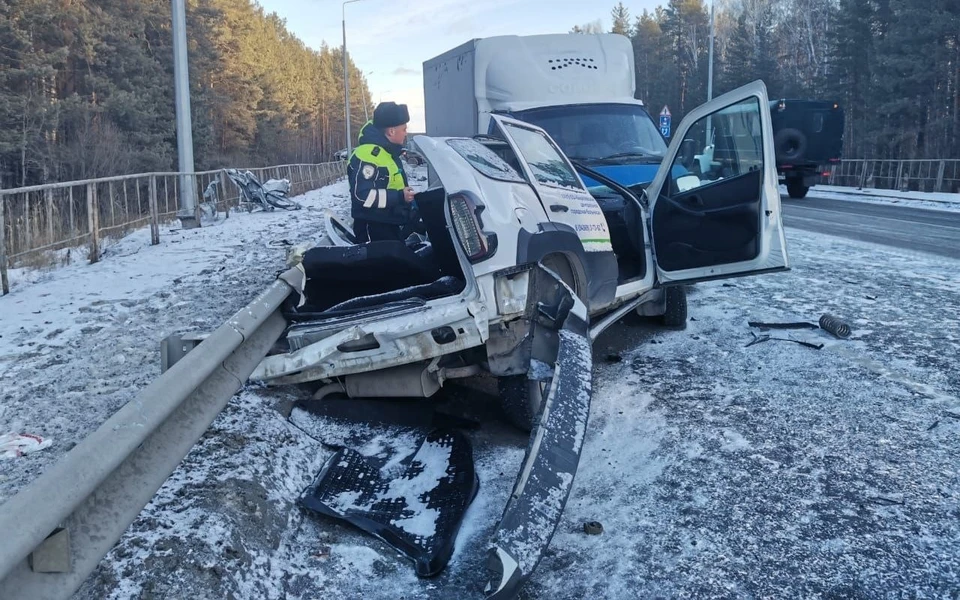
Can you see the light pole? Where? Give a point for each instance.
(366, 113)
(710, 75)
(181, 80)
(346, 77)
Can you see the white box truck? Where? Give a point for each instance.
(579, 88)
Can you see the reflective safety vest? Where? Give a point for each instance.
(360, 135)
(376, 155)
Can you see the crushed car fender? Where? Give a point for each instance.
(543, 485)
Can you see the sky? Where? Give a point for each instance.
(389, 40)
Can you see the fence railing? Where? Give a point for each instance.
(920, 175)
(38, 220)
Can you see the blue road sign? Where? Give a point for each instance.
(665, 122)
(665, 126)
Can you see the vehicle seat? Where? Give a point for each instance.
(336, 274)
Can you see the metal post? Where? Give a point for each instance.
(154, 213)
(366, 113)
(939, 184)
(346, 84)
(4, 282)
(710, 77)
(93, 218)
(710, 63)
(223, 188)
(73, 229)
(49, 200)
(346, 76)
(113, 213)
(27, 231)
(181, 77)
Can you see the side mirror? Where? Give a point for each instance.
(688, 151)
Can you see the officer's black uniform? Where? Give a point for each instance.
(377, 179)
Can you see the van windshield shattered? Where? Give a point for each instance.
(485, 160)
(600, 132)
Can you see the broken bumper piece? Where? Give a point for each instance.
(419, 512)
(546, 477)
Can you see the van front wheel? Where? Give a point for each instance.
(521, 399)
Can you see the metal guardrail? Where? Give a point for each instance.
(58, 528)
(44, 218)
(920, 175)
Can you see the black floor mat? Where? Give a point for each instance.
(411, 413)
(418, 509)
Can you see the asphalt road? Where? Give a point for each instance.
(932, 231)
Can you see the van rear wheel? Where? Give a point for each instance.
(796, 189)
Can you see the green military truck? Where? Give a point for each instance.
(808, 136)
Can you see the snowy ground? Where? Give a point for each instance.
(928, 200)
(77, 342)
(716, 469)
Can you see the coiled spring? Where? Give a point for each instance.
(835, 326)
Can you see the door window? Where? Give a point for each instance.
(547, 164)
(726, 144)
(485, 160)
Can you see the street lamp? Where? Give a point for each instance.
(181, 81)
(710, 77)
(366, 113)
(346, 76)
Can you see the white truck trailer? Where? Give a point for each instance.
(579, 88)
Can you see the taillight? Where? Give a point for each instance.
(465, 213)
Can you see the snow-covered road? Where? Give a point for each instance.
(716, 469)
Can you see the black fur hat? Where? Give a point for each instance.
(390, 114)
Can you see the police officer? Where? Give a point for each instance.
(381, 198)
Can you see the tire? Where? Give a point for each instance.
(675, 315)
(790, 145)
(796, 189)
(562, 267)
(521, 400)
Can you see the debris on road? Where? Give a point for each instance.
(790, 325)
(759, 339)
(15, 445)
(419, 512)
(835, 326)
(593, 528)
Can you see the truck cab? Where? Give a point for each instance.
(618, 140)
(578, 88)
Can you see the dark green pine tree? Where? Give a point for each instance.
(850, 77)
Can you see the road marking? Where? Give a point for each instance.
(906, 217)
(900, 222)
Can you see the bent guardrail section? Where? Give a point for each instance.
(58, 528)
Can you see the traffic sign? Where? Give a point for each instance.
(665, 122)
